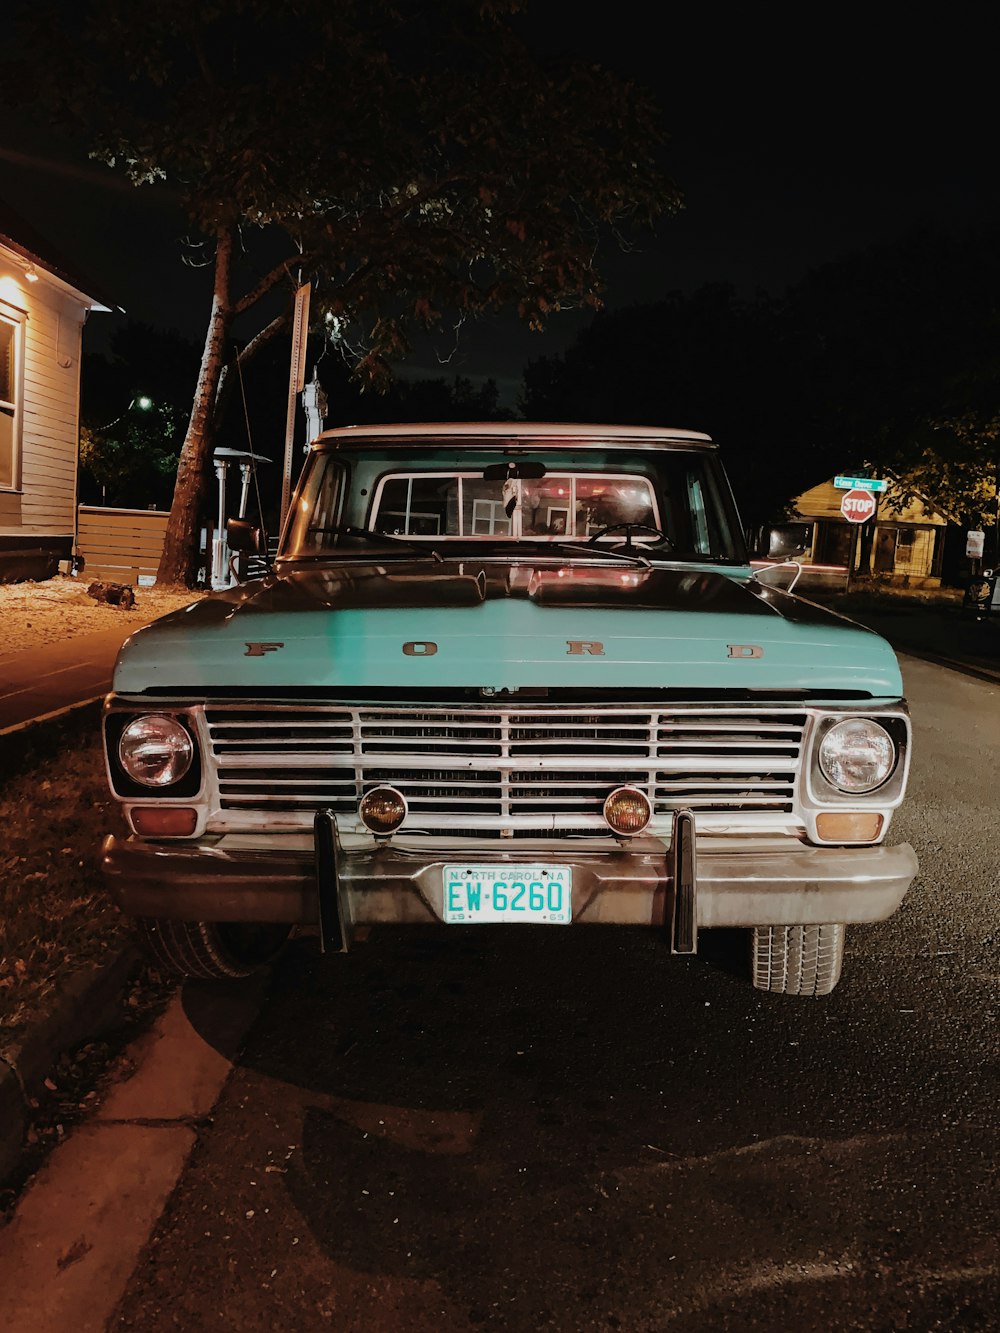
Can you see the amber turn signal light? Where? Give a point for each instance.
(848, 826)
(627, 811)
(382, 810)
(164, 821)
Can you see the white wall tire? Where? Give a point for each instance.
(797, 960)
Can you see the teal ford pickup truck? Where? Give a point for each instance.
(507, 673)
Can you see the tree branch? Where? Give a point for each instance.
(270, 281)
(261, 339)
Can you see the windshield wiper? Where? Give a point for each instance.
(568, 547)
(386, 537)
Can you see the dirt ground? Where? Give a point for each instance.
(55, 915)
(34, 614)
(55, 808)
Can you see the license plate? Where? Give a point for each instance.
(532, 893)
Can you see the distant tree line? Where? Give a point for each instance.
(888, 358)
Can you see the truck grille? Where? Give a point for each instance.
(530, 768)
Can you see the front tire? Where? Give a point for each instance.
(797, 960)
(213, 950)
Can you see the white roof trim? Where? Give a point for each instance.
(18, 260)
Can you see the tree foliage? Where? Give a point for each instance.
(414, 161)
(954, 464)
(134, 463)
(134, 407)
(898, 336)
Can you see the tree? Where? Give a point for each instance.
(954, 464)
(261, 427)
(414, 162)
(132, 463)
(133, 411)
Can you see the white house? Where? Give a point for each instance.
(43, 308)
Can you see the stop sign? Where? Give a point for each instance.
(858, 506)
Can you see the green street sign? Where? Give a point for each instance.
(859, 484)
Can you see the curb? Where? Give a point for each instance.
(26, 742)
(964, 666)
(87, 1007)
(934, 649)
(57, 713)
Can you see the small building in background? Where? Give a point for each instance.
(902, 545)
(43, 308)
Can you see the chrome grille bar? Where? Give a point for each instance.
(503, 766)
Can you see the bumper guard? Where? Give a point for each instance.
(647, 882)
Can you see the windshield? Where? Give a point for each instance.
(672, 509)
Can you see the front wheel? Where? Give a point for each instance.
(217, 950)
(797, 960)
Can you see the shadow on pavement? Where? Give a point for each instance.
(581, 1131)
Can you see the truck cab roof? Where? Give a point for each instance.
(515, 434)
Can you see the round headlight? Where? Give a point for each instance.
(857, 755)
(382, 810)
(627, 811)
(155, 750)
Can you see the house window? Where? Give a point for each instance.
(9, 386)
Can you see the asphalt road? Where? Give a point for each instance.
(572, 1130)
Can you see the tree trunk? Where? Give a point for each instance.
(178, 565)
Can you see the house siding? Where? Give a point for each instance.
(50, 418)
(38, 512)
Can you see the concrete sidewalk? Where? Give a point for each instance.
(46, 682)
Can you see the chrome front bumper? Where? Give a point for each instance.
(736, 884)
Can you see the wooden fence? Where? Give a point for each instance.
(120, 545)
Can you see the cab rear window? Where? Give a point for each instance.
(560, 506)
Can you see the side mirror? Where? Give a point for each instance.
(244, 537)
(788, 540)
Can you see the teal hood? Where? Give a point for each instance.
(420, 625)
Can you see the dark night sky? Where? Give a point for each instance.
(794, 144)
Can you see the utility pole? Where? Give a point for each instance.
(296, 381)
